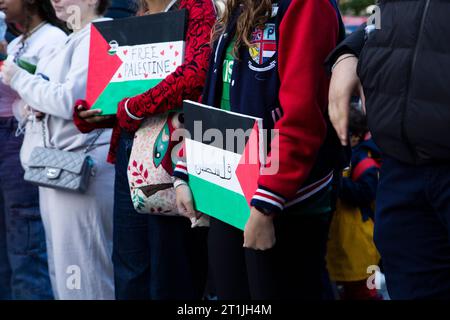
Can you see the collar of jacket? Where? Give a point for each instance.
(226, 37)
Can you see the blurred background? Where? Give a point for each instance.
(355, 12)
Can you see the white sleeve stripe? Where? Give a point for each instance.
(181, 170)
(270, 194)
(268, 201)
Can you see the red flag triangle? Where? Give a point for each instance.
(247, 171)
(102, 66)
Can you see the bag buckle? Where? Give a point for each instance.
(53, 173)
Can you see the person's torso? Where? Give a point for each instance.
(236, 83)
(254, 83)
(37, 46)
(405, 70)
(62, 133)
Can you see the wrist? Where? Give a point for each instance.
(345, 55)
(264, 211)
(179, 182)
(129, 114)
(342, 58)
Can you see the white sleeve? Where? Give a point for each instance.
(56, 98)
(53, 41)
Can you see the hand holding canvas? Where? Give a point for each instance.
(185, 201)
(89, 115)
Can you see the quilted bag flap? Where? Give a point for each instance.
(51, 158)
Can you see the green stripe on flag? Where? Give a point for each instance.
(228, 206)
(116, 91)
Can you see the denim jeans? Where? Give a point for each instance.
(154, 257)
(23, 258)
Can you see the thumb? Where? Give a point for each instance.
(185, 207)
(180, 206)
(338, 112)
(342, 130)
(363, 97)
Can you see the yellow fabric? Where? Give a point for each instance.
(350, 246)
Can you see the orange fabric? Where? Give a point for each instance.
(351, 249)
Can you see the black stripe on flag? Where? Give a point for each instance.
(154, 28)
(221, 121)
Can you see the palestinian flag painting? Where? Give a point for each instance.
(130, 56)
(223, 153)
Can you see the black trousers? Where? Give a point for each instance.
(155, 257)
(412, 229)
(293, 269)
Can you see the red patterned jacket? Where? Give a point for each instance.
(186, 82)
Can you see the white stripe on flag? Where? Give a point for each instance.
(212, 164)
(148, 61)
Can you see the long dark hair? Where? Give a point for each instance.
(254, 13)
(45, 11)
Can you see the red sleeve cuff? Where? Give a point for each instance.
(82, 125)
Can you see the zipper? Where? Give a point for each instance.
(412, 78)
(224, 35)
(170, 5)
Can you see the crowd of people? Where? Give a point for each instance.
(350, 170)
